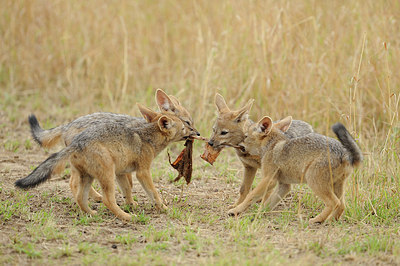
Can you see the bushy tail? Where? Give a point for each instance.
(45, 138)
(349, 143)
(52, 165)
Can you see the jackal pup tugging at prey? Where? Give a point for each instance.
(229, 130)
(322, 162)
(107, 151)
(167, 104)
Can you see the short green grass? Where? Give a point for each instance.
(27, 248)
(12, 145)
(15, 206)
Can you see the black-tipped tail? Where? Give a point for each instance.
(349, 143)
(35, 128)
(44, 171)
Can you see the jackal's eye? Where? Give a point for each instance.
(224, 132)
(187, 122)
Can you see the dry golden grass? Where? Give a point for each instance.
(295, 57)
(319, 61)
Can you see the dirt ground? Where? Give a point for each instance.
(45, 226)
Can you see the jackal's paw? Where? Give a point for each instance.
(125, 217)
(132, 204)
(233, 212)
(338, 213)
(97, 199)
(315, 220)
(162, 207)
(92, 212)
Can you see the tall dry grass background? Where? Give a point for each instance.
(319, 61)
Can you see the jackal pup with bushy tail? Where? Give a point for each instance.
(167, 104)
(229, 130)
(107, 151)
(322, 162)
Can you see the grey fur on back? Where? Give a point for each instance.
(101, 118)
(124, 130)
(298, 128)
(311, 145)
(68, 131)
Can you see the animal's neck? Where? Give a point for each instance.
(274, 138)
(152, 135)
(162, 144)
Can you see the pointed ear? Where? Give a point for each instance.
(265, 124)
(243, 113)
(221, 104)
(164, 123)
(164, 102)
(174, 100)
(284, 124)
(148, 114)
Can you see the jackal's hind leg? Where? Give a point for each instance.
(339, 192)
(125, 184)
(85, 183)
(322, 187)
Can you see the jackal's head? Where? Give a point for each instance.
(169, 125)
(259, 135)
(168, 104)
(228, 129)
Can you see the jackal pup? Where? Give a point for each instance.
(167, 104)
(105, 152)
(322, 162)
(229, 130)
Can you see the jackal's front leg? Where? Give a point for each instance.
(146, 181)
(248, 178)
(74, 184)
